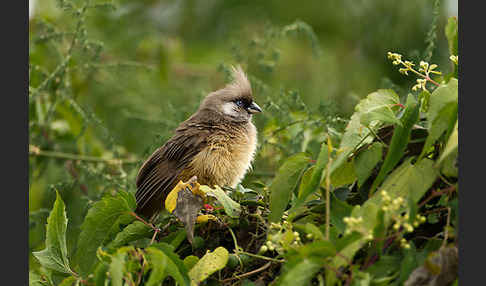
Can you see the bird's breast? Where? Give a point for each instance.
(226, 158)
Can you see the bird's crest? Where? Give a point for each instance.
(240, 84)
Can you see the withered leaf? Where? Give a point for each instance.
(187, 208)
(439, 269)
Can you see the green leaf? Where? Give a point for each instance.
(304, 262)
(131, 232)
(158, 262)
(208, 264)
(409, 263)
(343, 175)
(386, 266)
(399, 141)
(190, 261)
(100, 274)
(380, 105)
(347, 240)
(35, 279)
(339, 210)
(357, 135)
(175, 266)
(54, 256)
(97, 223)
(232, 208)
(451, 34)
(299, 271)
(379, 231)
(441, 97)
(407, 181)
(318, 249)
(284, 183)
(116, 267)
(451, 145)
(365, 161)
(308, 187)
(314, 230)
(175, 238)
(69, 281)
(442, 113)
(305, 181)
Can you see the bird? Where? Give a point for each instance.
(216, 144)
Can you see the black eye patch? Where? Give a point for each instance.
(242, 102)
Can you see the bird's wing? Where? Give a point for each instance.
(159, 173)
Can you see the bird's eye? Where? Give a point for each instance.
(239, 102)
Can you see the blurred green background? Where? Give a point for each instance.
(154, 60)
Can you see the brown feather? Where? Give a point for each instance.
(215, 147)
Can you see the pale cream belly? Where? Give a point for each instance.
(224, 162)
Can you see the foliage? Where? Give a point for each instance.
(367, 197)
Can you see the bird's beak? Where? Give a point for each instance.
(254, 108)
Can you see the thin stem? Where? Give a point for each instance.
(328, 186)
(436, 194)
(247, 273)
(153, 237)
(35, 151)
(424, 76)
(446, 234)
(144, 222)
(238, 250)
(262, 257)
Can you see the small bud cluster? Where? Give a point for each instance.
(420, 84)
(356, 224)
(396, 58)
(424, 71)
(394, 205)
(454, 59)
(427, 68)
(404, 243)
(390, 205)
(278, 237)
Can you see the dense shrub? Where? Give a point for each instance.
(365, 199)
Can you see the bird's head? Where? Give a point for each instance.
(234, 102)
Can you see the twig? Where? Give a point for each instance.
(446, 233)
(436, 210)
(153, 237)
(156, 229)
(239, 250)
(247, 273)
(436, 194)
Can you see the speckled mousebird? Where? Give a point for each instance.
(217, 144)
